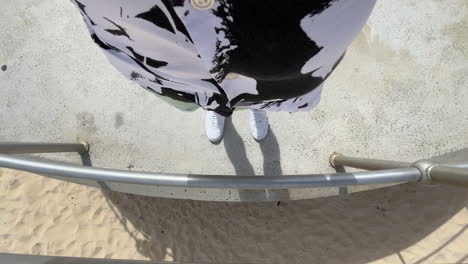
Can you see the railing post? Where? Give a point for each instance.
(33, 147)
(448, 175)
(337, 159)
(431, 172)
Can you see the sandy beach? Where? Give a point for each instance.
(402, 224)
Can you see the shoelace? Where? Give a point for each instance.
(214, 120)
(258, 117)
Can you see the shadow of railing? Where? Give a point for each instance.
(445, 244)
(381, 221)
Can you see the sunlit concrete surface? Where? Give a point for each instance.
(401, 93)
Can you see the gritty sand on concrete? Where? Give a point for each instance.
(401, 224)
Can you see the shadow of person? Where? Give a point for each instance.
(272, 164)
(237, 154)
(355, 228)
(235, 150)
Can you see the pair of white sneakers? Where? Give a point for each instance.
(214, 125)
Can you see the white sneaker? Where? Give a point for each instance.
(258, 123)
(214, 126)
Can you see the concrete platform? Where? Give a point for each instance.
(401, 93)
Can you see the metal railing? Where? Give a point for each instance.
(381, 171)
(6, 258)
(430, 171)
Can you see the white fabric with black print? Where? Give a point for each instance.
(272, 55)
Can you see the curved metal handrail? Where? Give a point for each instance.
(452, 173)
(212, 181)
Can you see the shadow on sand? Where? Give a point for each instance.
(375, 223)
